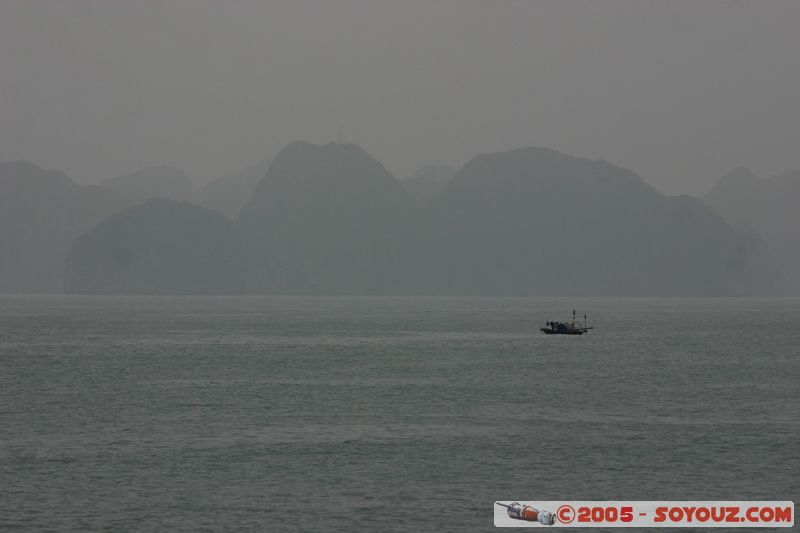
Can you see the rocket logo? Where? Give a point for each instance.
(529, 514)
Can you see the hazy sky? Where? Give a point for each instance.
(679, 91)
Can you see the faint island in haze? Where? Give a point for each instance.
(769, 208)
(229, 193)
(41, 213)
(151, 182)
(428, 181)
(158, 247)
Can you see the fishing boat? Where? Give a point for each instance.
(566, 328)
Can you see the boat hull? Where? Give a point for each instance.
(548, 331)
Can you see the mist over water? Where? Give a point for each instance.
(155, 413)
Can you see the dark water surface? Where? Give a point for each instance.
(342, 414)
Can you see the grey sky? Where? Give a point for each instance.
(679, 91)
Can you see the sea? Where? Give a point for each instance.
(342, 414)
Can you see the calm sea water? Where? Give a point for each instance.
(342, 414)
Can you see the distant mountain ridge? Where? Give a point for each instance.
(534, 221)
(330, 219)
